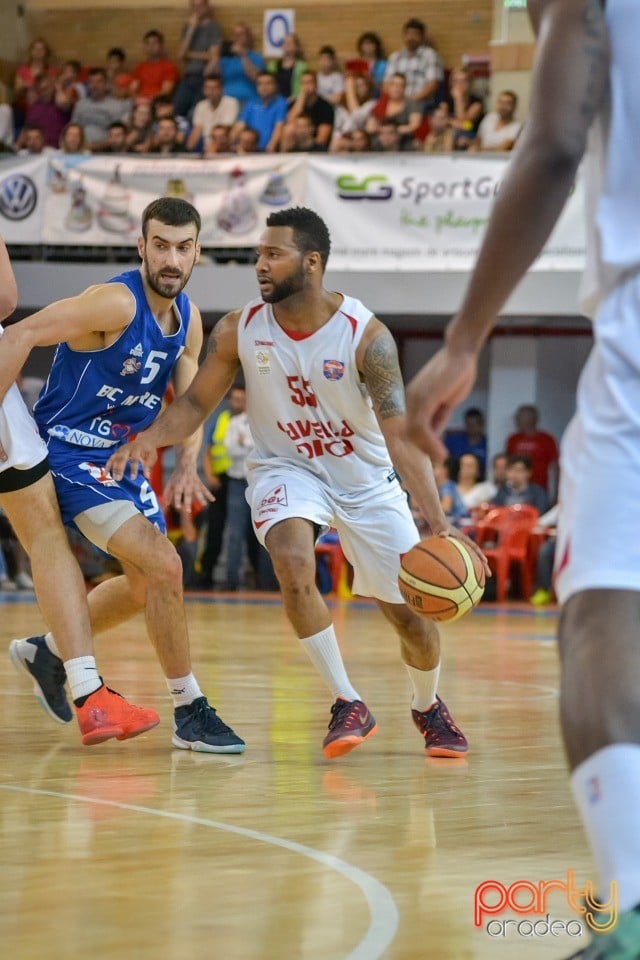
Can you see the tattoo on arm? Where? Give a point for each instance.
(212, 342)
(383, 378)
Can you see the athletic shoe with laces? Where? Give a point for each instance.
(198, 727)
(623, 943)
(351, 723)
(442, 738)
(48, 673)
(104, 714)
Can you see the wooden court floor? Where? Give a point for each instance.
(138, 851)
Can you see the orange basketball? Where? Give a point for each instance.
(440, 579)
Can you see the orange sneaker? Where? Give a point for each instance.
(105, 714)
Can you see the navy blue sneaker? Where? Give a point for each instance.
(48, 675)
(198, 727)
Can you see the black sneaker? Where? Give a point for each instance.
(48, 674)
(198, 727)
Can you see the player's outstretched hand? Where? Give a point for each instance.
(434, 393)
(137, 453)
(184, 487)
(470, 544)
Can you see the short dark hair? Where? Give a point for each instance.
(310, 232)
(520, 458)
(154, 33)
(173, 212)
(117, 125)
(117, 52)
(473, 412)
(414, 24)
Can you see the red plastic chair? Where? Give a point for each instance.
(503, 536)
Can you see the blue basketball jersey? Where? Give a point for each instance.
(99, 398)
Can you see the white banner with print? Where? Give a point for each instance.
(406, 212)
(99, 200)
(415, 212)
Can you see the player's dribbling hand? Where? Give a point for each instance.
(434, 393)
(137, 453)
(470, 544)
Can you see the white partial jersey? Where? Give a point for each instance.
(306, 402)
(613, 182)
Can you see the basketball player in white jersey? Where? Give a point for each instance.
(585, 82)
(325, 402)
(28, 498)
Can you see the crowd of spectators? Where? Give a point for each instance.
(217, 94)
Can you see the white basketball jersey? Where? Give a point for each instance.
(306, 402)
(613, 183)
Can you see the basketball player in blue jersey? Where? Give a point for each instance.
(325, 403)
(28, 498)
(585, 84)
(120, 343)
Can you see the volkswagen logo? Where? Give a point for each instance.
(18, 197)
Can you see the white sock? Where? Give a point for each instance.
(184, 690)
(325, 655)
(425, 685)
(606, 788)
(51, 644)
(83, 676)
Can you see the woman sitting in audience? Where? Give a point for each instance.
(72, 139)
(473, 491)
(140, 134)
(359, 104)
(289, 69)
(371, 59)
(465, 108)
(394, 106)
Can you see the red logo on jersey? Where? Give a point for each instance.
(99, 473)
(333, 369)
(275, 497)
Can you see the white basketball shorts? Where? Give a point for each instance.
(374, 532)
(599, 525)
(21, 442)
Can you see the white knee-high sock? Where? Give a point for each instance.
(325, 655)
(606, 787)
(425, 686)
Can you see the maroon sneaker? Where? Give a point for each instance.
(442, 738)
(350, 724)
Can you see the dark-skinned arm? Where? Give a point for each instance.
(570, 82)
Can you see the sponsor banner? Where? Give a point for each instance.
(22, 192)
(405, 212)
(99, 200)
(417, 212)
